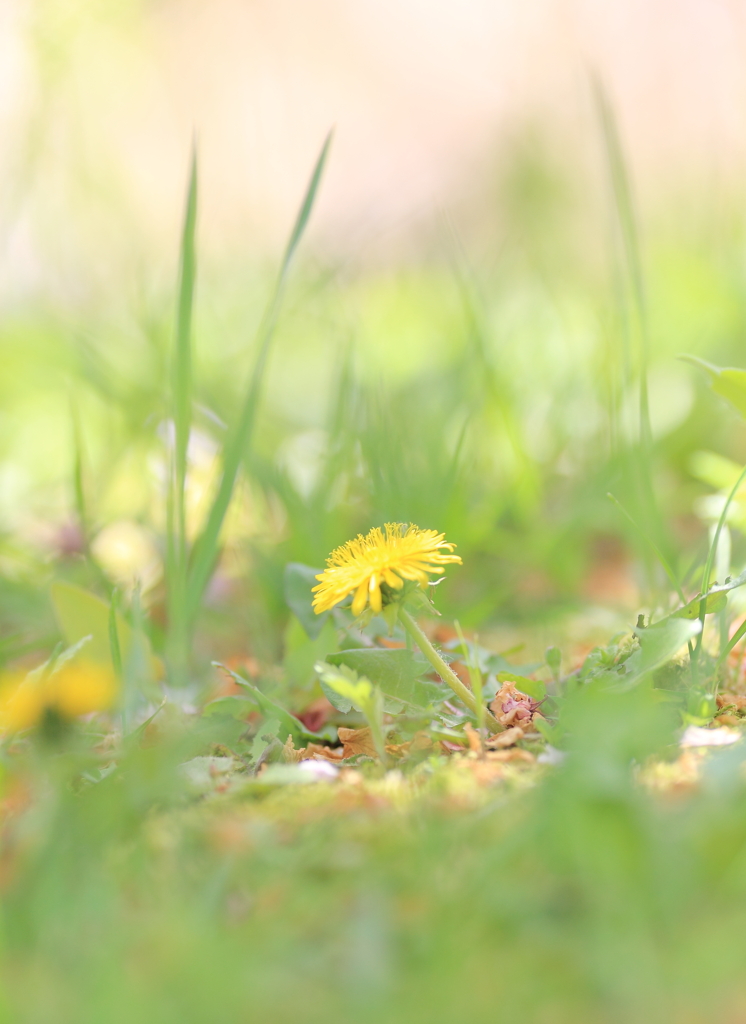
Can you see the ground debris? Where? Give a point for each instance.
(513, 708)
(506, 739)
(356, 742)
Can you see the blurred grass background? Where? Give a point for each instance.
(459, 346)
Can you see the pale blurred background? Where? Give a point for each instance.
(99, 100)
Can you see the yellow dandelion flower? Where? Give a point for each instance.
(79, 688)
(391, 556)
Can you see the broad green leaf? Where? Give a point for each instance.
(351, 690)
(658, 644)
(302, 653)
(396, 671)
(335, 698)
(532, 687)
(80, 613)
(299, 581)
(361, 694)
(728, 382)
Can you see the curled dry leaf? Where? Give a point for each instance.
(314, 751)
(289, 754)
(317, 750)
(506, 739)
(731, 700)
(419, 743)
(357, 741)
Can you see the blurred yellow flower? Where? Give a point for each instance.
(77, 688)
(389, 556)
(80, 688)
(21, 703)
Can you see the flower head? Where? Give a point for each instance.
(383, 557)
(76, 688)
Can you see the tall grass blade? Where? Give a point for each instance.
(81, 505)
(182, 380)
(116, 650)
(667, 567)
(630, 243)
(207, 545)
(177, 554)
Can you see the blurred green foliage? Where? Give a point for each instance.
(490, 389)
(587, 899)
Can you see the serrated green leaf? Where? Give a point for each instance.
(347, 687)
(397, 672)
(335, 698)
(362, 695)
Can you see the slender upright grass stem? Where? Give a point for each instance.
(475, 677)
(707, 572)
(667, 568)
(738, 635)
(445, 672)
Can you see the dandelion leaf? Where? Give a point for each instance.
(396, 671)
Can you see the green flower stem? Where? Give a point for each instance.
(446, 673)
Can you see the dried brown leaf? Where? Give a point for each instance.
(736, 700)
(506, 739)
(316, 750)
(289, 754)
(473, 738)
(357, 741)
(419, 742)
